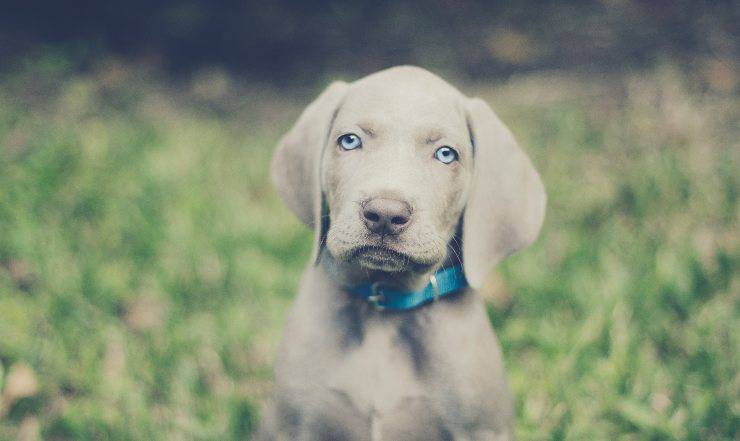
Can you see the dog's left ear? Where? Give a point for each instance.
(506, 206)
(296, 162)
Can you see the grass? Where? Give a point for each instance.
(146, 264)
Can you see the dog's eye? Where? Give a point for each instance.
(349, 141)
(446, 155)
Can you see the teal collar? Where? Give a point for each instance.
(442, 283)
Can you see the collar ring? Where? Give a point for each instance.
(435, 286)
(376, 297)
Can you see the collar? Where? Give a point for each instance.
(442, 283)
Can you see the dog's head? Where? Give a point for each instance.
(390, 169)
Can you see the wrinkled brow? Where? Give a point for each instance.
(367, 128)
(433, 137)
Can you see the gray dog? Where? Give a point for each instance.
(414, 192)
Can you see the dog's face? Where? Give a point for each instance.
(395, 173)
(386, 168)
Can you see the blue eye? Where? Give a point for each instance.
(446, 155)
(349, 141)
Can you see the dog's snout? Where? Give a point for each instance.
(386, 216)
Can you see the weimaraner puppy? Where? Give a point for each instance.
(415, 192)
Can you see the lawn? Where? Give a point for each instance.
(146, 264)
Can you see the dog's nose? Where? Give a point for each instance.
(386, 216)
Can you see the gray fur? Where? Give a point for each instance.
(346, 370)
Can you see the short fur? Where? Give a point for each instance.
(346, 370)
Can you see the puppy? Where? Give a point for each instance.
(414, 192)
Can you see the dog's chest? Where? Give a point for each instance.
(379, 375)
(391, 380)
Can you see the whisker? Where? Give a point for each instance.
(457, 255)
(322, 241)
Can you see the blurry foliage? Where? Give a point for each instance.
(298, 40)
(146, 264)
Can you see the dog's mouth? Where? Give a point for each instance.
(381, 258)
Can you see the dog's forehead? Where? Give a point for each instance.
(403, 95)
(404, 77)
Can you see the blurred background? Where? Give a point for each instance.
(146, 264)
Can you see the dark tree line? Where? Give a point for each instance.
(298, 39)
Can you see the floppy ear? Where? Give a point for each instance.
(506, 205)
(296, 162)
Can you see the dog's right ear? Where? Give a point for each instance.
(295, 164)
(297, 160)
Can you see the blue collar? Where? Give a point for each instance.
(442, 283)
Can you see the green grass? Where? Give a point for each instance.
(146, 264)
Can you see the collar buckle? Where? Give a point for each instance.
(376, 297)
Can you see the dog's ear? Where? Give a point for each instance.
(506, 206)
(296, 162)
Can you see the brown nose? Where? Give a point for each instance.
(386, 216)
